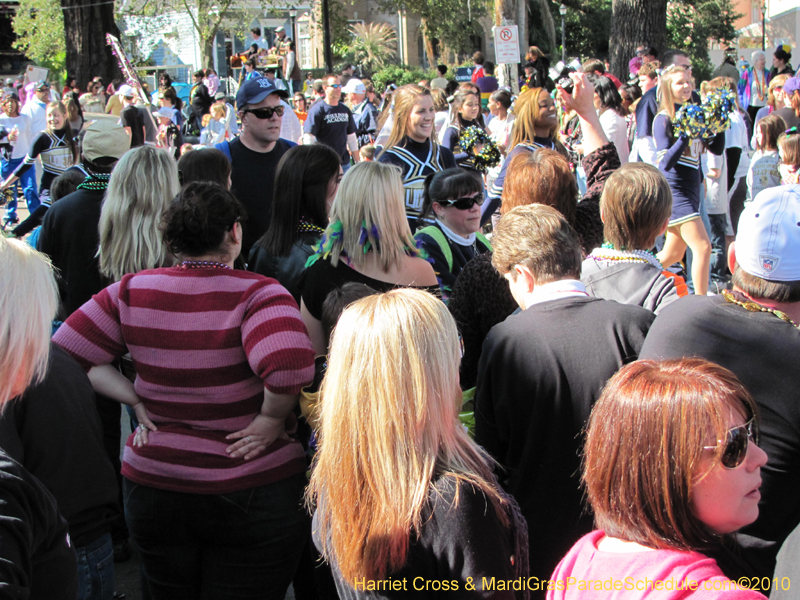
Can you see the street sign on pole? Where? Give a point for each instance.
(506, 44)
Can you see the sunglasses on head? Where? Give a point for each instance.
(266, 112)
(737, 440)
(463, 203)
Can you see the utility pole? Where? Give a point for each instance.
(326, 37)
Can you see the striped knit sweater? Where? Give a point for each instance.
(205, 343)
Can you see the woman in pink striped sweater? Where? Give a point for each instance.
(213, 478)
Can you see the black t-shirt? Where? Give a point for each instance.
(539, 375)
(39, 430)
(70, 238)
(459, 543)
(762, 351)
(321, 278)
(37, 561)
(131, 117)
(253, 182)
(331, 125)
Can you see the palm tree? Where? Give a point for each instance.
(373, 45)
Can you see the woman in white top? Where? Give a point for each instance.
(608, 103)
(499, 128)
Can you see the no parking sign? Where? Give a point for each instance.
(506, 44)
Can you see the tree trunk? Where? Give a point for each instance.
(635, 23)
(429, 52)
(208, 51)
(86, 23)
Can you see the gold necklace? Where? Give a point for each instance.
(756, 307)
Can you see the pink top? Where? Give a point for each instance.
(586, 573)
(204, 343)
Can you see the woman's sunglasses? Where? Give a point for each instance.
(737, 441)
(265, 112)
(463, 203)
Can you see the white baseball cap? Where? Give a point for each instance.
(126, 91)
(354, 86)
(768, 239)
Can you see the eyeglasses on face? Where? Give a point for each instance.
(737, 440)
(335, 86)
(265, 112)
(463, 203)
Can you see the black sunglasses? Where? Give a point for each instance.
(463, 203)
(265, 112)
(737, 441)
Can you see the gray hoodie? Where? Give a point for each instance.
(640, 284)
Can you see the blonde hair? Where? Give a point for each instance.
(405, 97)
(371, 195)
(218, 111)
(142, 185)
(29, 297)
(527, 112)
(667, 103)
(776, 81)
(388, 429)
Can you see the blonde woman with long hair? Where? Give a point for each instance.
(368, 240)
(38, 559)
(141, 187)
(412, 145)
(400, 490)
(679, 161)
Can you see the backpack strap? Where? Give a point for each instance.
(484, 240)
(438, 236)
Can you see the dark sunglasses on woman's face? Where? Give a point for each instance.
(736, 442)
(464, 203)
(266, 112)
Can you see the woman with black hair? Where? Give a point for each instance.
(306, 182)
(608, 103)
(454, 197)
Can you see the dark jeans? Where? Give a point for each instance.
(240, 545)
(96, 569)
(719, 255)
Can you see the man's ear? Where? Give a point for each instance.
(732, 256)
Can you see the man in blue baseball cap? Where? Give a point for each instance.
(255, 153)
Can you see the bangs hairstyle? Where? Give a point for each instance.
(644, 447)
(371, 194)
(635, 205)
(555, 183)
(608, 93)
(199, 218)
(449, 184)
(208, 164)
(527, 112)
(789, 146)
(303, 179)
(141, 187)
(378, 460)
(405, 97)
(667, 103)
(771, 126)
(29, 297)
(540, 238)
(776, 82)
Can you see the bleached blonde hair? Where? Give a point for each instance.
(28, 303)
(371, 194)
(142, 185)
(388, 429)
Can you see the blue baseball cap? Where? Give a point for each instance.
(255, 90)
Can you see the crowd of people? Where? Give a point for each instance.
(361, 359)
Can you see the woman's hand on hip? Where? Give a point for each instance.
(256, 437)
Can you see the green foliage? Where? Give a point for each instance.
(454, 23)
(39, 25)
(691, 24)
(400, 75)
(340, 29)
(586, 28)
(371, 46)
